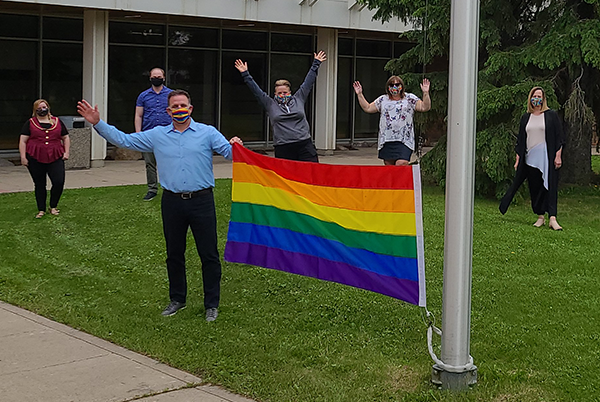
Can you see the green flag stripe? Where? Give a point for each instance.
(398, 246)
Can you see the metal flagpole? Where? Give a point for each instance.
(457, 371)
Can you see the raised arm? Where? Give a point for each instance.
(425, 104)
(311, 76)
(262, 97)
(364, 104)
(137, 141)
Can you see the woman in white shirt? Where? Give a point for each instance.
(539, 156)
(396, 140)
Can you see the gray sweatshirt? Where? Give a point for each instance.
(288, 120)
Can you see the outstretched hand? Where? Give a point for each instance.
(357, 87)
(425, 85)
(241, 66)
(90, 113)
(321, 56)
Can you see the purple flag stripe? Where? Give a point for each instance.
(307, 265)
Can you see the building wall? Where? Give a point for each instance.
(198, 54)
(319, 13)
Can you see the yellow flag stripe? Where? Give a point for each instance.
(393, 223)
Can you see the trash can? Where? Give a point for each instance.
(72, 121)
(81, 142)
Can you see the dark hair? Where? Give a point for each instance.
(392, 79)
(179, 92)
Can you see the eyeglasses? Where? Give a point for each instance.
(396, 85)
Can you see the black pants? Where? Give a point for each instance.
(537, 192)
(38, 171)
(298, 151)
(178, 215)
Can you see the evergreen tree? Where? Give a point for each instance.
(523, 43)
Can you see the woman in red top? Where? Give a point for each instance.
(44, 146)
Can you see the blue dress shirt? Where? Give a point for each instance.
(183, 160)
(155, 107)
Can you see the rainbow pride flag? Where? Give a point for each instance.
(356, 225)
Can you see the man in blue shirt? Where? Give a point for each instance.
(150, 112)
(184, 151)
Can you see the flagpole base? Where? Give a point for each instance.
(453, 381)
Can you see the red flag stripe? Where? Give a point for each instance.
(320, 174)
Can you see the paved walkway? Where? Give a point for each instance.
(41, 360)
(116, 173)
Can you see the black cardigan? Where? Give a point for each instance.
(554, 142)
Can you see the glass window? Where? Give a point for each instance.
(19, 26)
(291, 43)
(402, 47)
(62, 28)
(289, 67)
(345, 47)
(247, 40)
(128, 76)
(372, 77)
(345, 98)
(62, 76)
(193, 37)
(373, 48)
(18, 69)
(241, 114)
(196, 72)
(143, 34)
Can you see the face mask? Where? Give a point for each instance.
(42, 112)
(180, 115)
(536, 102)
(283, 98)
(157, 81)
(395, 89)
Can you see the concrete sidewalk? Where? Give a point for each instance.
(41, 360)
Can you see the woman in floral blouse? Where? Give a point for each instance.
(396, 140)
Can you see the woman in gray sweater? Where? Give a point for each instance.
(291, 133)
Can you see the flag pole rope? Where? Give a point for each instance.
(429, 320)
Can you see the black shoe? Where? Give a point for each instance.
(173, 308)
(211, 314)
(150, 196)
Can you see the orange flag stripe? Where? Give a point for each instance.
(357, 199)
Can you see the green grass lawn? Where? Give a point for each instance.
(99, 267)
(596, 164)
